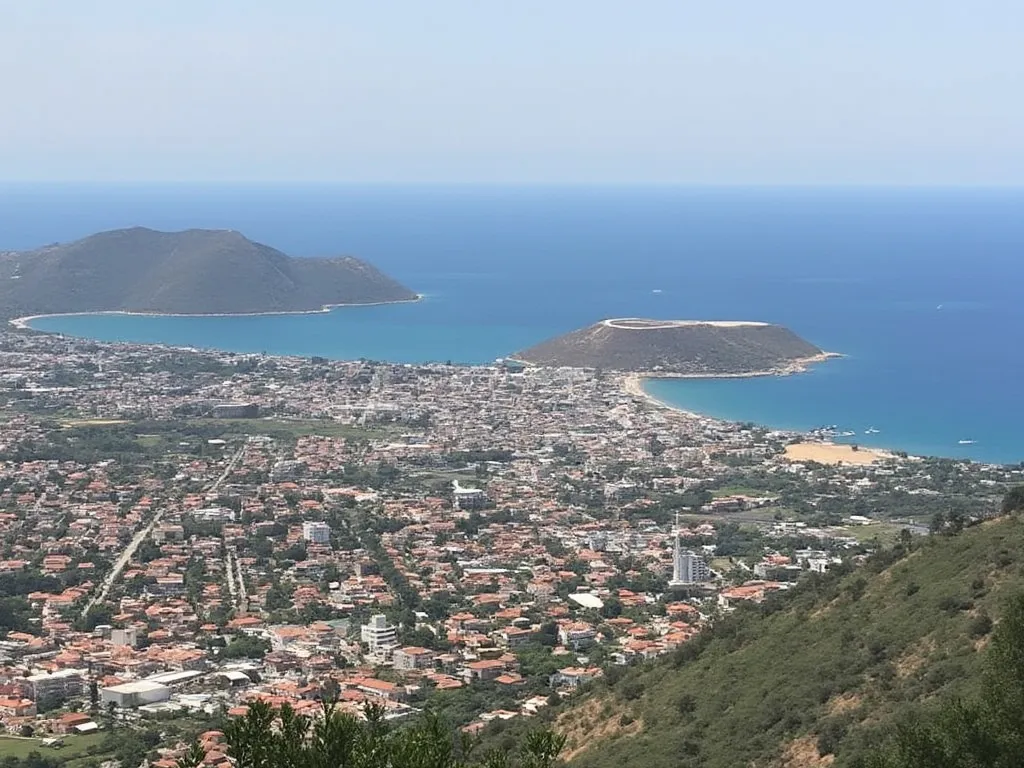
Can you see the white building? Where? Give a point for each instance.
(214, 515)
(623, 490)
(587, 600)
(129, 636)
(687, 567)
(577, 635)
(287, 469)
(379, 636)
(468, 498)
(57, 686)
(135, 693)
(413, 658)
(316, 532)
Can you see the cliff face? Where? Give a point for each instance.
(191, 272)
(680, 347)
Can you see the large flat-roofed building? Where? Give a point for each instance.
(214, 515)
(135, 694)
(468, 498)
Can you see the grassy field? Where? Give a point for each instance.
(292, 428)
(469, 477)
(92, 423)
(165, 434)
(74, 747)
(737, 490)
(764, 515)
(887, 533)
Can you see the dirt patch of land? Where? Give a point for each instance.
(911, 661)
(844, 702)
(833, 453)
(593, 723)
(803, 753)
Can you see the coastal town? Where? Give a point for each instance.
(188, 531)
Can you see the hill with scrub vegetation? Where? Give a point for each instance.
(196, 271)
(911, 659)
(680, 347)
(818, 676)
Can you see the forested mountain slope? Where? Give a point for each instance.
(817, 676)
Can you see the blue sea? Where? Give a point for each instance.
(919, 288)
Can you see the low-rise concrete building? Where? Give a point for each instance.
(410, 658)
(135, 694)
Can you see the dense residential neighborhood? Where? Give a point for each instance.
(189, 531)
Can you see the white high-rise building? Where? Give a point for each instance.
(316, 532)
(687, 567)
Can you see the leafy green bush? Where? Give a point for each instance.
(269, 738)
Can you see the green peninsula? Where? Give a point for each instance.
(196, 271)
(678, 347)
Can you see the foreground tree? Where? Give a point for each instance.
(1013, 501)
(269, 738)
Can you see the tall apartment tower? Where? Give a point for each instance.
(687, 568)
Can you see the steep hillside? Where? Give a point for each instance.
(191, 272)
(815, 677)
(676, 346)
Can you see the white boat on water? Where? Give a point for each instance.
(871, 431)
(966, 442)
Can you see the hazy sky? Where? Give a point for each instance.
(763, 91)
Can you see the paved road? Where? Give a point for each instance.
(229, 568)
(236, 580)
(119, 565)
(115, 573)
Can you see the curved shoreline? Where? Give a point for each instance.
(24, 323)
(633, 385)
(800, 365)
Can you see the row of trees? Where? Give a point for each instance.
(269, 738)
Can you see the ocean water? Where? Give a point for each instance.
(919, 288)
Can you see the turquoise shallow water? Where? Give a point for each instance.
(919, 288)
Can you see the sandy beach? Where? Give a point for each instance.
(633, 383)
(808, 450)
(25, 323)
(834, 453)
